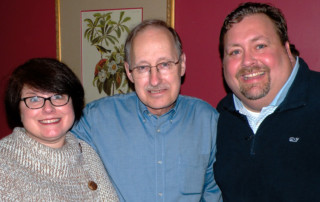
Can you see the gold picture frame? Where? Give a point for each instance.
(68, 22)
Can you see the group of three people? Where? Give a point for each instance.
(158, 145)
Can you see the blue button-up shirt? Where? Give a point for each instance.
(154, 158)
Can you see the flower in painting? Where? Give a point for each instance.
(119, 58)
(112, 67)
(99, 66)
(102, 75)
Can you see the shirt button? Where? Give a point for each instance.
(92, 185)
(158, 130)
(160, 194)
(159, 162)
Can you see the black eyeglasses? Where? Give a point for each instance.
(37, 102)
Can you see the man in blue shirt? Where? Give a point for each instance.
(156, 145)
(268, 131)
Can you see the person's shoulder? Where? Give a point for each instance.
(86, 148)
(118, 99)
(314, 85)
(6, 144)
(90, 156)
(225, 103)
(193, 100)
(88, 152)
(315, 75)
(305, 68)
(196, 103)
(6, 141)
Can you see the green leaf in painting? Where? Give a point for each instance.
(107, 86)
(126, 19)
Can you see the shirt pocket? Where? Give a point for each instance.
(192, 171)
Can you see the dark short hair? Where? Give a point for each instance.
(251, 8)
(295, 52)
(142, 26)
(45, 75)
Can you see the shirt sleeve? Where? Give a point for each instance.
(211, 191)
(82, 129)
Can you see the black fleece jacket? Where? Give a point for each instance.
(281, 162)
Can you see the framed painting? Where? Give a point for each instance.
(91, 35)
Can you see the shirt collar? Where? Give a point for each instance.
(146, 113)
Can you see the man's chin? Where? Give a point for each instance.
(254, 93)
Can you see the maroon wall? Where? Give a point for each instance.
(28, 30)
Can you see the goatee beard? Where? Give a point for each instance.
(261, 88)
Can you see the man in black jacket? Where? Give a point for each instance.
(269, 126)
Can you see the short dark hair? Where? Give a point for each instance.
(45, 75)
(251, 8)
(142, 26)
(295, 52)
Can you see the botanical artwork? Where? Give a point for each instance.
(103, 37)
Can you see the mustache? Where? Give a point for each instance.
(248, 70)
(157, 87)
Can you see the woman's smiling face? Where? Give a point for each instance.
(49, 124)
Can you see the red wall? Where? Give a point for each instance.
(28, 30)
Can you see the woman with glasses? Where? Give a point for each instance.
(41, 160)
